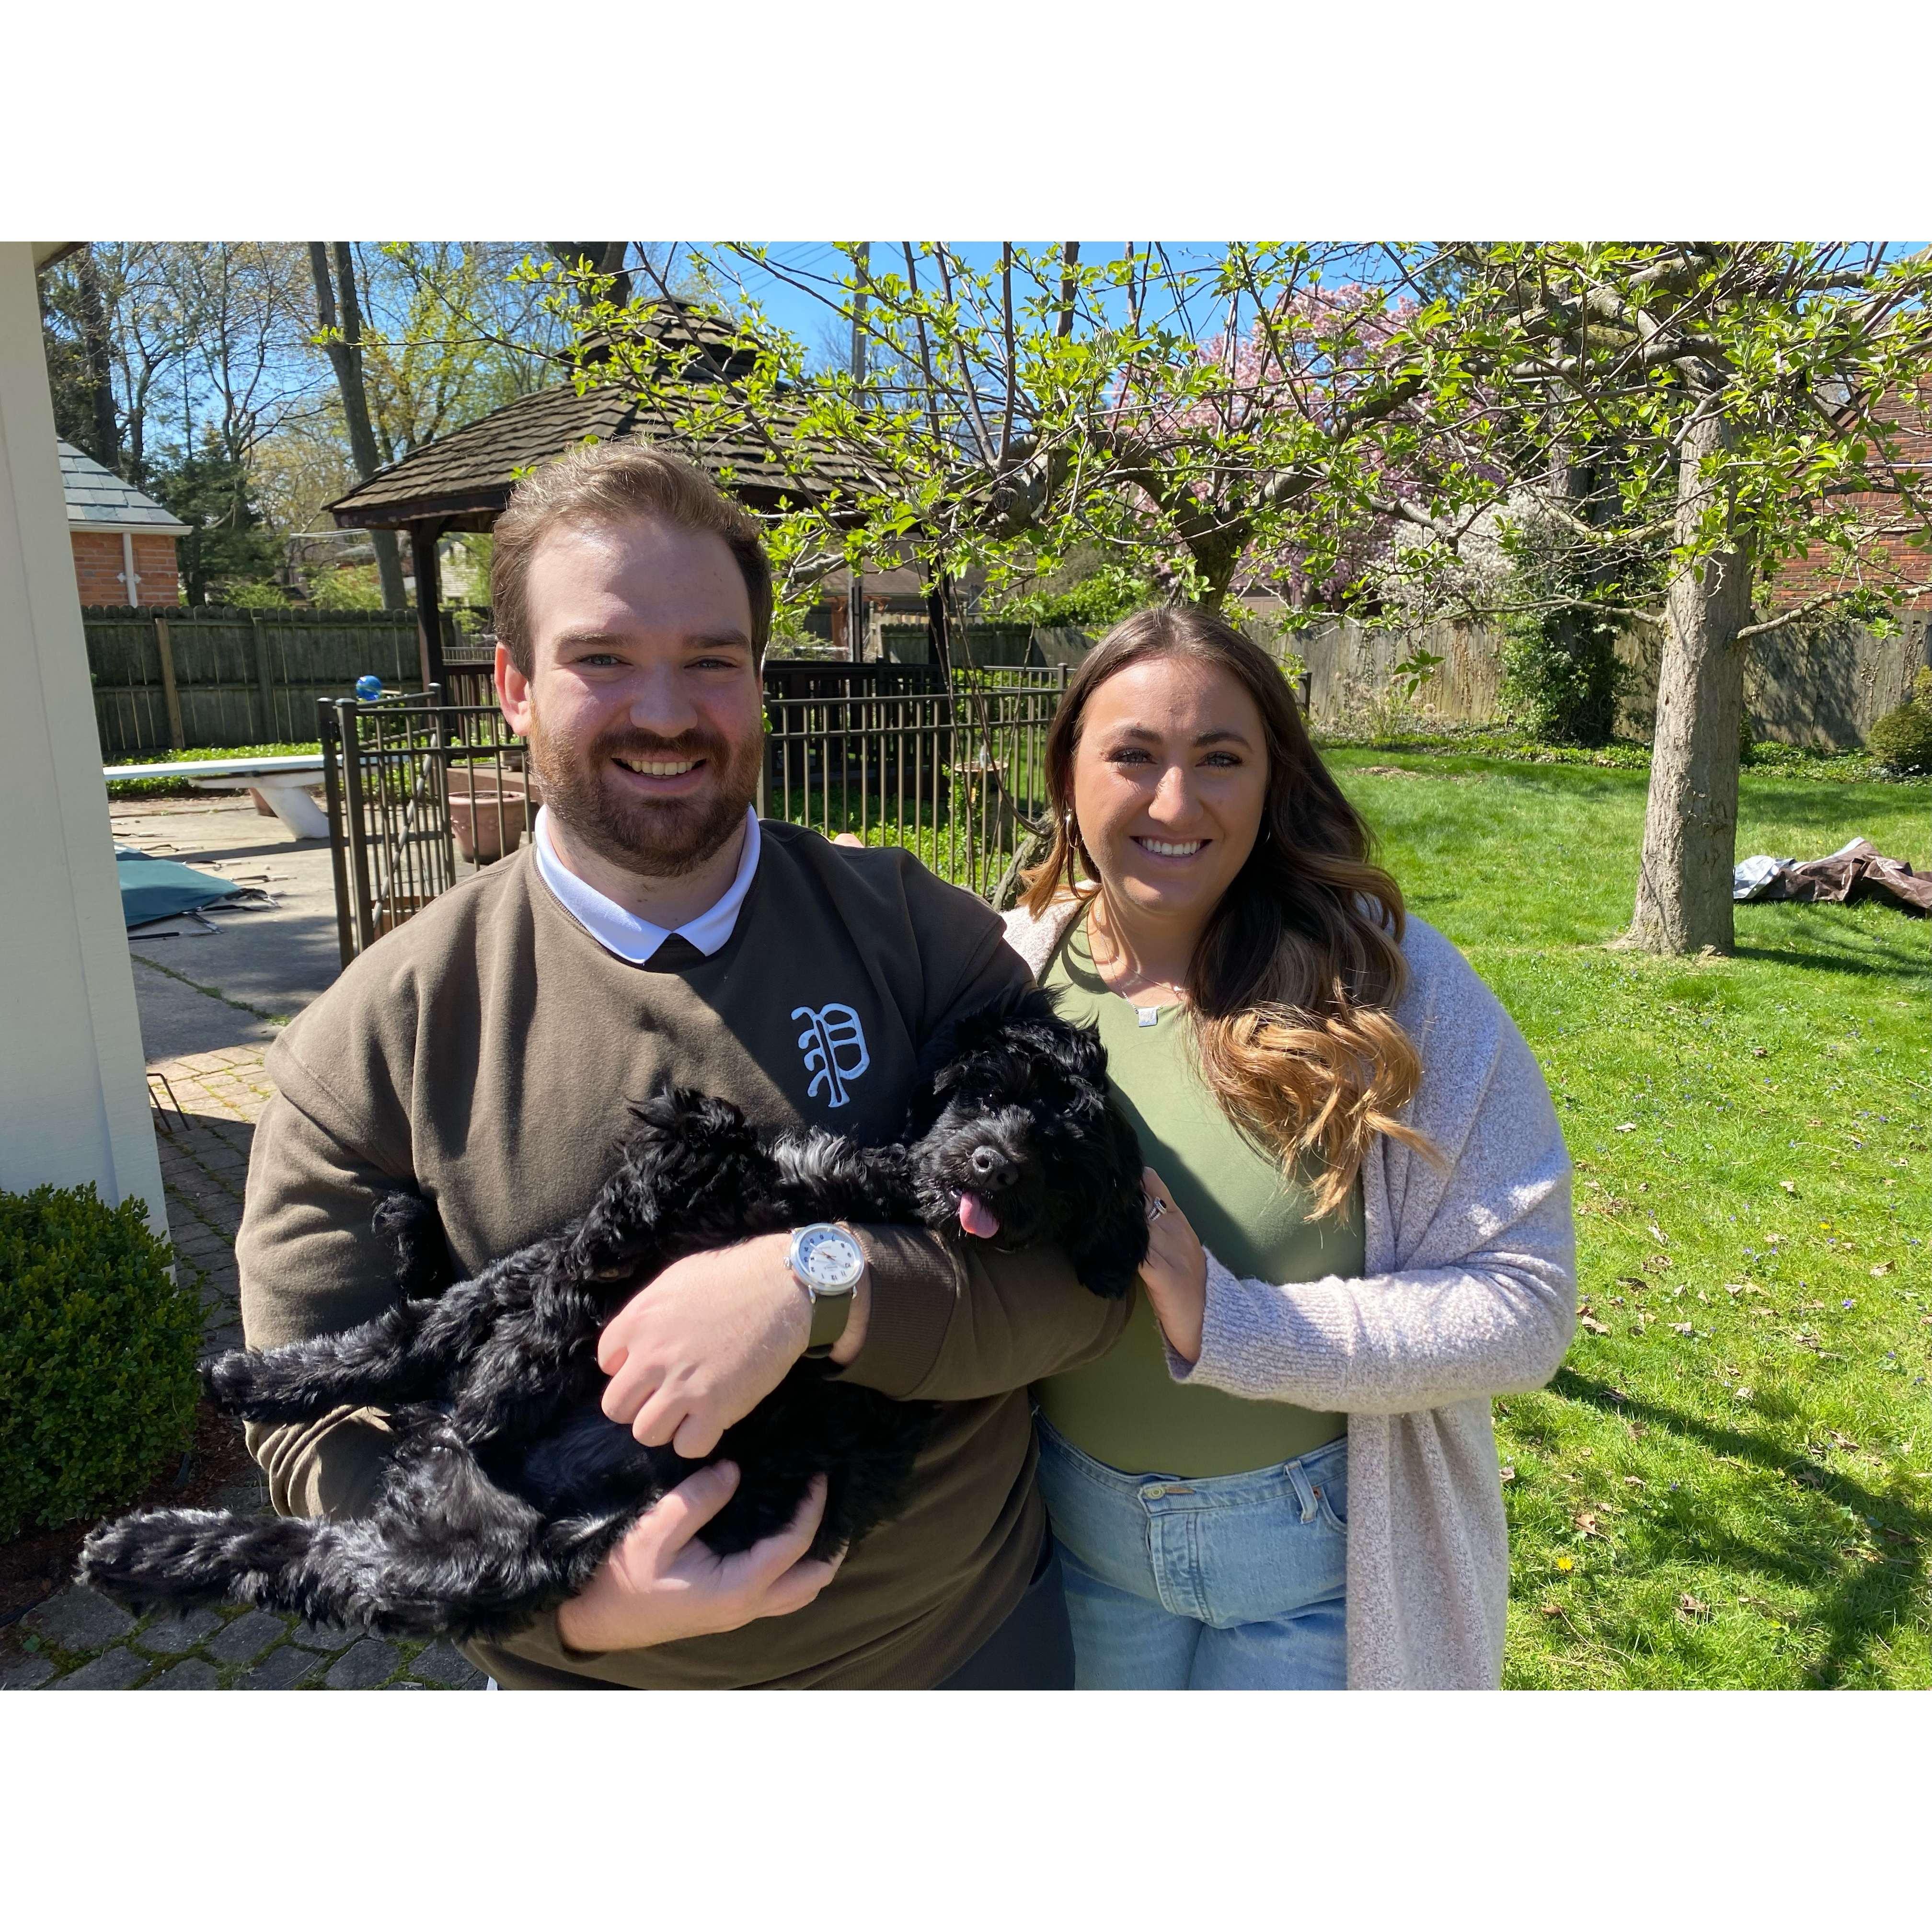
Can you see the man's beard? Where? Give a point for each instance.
(660, 839)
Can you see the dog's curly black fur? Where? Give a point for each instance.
(508, 1485)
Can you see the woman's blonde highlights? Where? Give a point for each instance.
(1292, 985)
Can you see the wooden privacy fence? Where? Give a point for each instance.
(196, 678)
(1821, 686)
(419, 791)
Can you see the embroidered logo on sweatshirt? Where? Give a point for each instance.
(833, 1043)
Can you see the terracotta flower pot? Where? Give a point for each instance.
(489, 811)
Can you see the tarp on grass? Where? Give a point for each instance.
(1858, 871)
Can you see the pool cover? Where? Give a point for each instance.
(157, 889)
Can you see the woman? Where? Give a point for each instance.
(1283, 1474)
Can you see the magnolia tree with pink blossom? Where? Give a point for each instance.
(1318, 348)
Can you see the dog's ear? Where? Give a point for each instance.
(619, 1222)
(1022, 1020)
(409, 1228)
(942, 1056)
(1008, 1013)
(1084, 1057)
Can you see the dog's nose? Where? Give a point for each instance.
(994, 1167)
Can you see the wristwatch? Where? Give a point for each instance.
(827, 1263)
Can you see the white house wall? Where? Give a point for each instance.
(74, 1097)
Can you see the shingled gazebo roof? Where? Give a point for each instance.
(463, 481)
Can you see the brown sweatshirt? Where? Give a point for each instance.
(483, 1054)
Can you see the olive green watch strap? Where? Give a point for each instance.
(829, 1315)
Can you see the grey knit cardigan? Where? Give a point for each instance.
(1469, 1292)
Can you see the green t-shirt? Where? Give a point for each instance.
(1125, 1410)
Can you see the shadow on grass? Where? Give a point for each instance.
(1829, 812)
(1854, 1600)
(1890, 956)
(1570, 781)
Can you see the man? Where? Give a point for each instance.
(483, 1054)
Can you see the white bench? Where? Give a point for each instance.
(281, 781)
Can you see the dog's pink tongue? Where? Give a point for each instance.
(976, 1218)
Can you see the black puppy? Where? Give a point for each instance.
(508, 1485)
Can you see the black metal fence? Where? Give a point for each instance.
(419, 794)
(420, 791)
(955, 775)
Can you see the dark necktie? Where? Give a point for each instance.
(675, 955)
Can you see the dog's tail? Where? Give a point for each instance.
(196, 1556)
(298, 1566)
(348, 1573)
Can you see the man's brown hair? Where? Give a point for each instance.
(606, 483)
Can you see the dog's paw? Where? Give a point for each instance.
(231, 1379)
(145, 1558)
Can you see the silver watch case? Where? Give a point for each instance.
(825, 1260)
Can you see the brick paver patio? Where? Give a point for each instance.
(206, 1105)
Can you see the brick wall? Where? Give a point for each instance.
(99, 569)
(1893, 564)
(155, 565)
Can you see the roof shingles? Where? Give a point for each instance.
(467, 476)
(98, 499)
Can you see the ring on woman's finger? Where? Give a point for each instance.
(1156, 1207)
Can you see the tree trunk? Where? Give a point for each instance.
(99, 351)
(1690, 824)
(855, 577)
(1216, 559)
(345, 358)
(938, 623)
(602, 258)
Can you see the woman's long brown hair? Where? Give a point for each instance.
(1292, 984)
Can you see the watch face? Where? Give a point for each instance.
(830, 1258)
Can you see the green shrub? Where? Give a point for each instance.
(348, 586)
(1901, 740)
(1560, 675)
(98, 1346)
(250, 594)
(1096, 604)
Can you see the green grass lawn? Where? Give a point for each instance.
(1730, 1482)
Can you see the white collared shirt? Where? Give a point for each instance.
(624, 933)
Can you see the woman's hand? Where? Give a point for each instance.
(1175, 1272)
(658, 1585)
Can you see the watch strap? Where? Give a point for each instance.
(829, 1315)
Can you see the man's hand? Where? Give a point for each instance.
(708, 1339)
(1175, 1272)
(658, 1585)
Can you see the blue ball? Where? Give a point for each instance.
(369, 686)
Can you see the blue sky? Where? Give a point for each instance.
(794, 308)
(808, 262)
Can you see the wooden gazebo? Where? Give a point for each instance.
(463, 481)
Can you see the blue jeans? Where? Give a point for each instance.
(1210, 1583)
